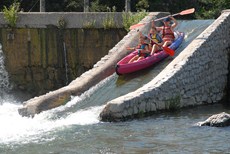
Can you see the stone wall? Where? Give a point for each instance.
(197, 76)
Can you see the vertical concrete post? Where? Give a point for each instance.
(42, 6)
(86, 5)
(127, 5)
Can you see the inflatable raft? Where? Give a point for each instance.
(123, 67)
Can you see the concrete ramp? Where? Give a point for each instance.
(104, 68)
(114, 86)
(198, 75)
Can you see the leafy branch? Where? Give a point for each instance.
(11, 14)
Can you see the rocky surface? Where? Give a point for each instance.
(217, 120)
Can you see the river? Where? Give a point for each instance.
(75, 127)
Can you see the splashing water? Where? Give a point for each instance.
(21, 130)
(17, 129)
(5, 85)
(4, 78)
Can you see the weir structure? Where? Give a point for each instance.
(102, 69)
(44, 46)
(196, 76)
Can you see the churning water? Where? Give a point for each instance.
(4, 79)
(75, 127)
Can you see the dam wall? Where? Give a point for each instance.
(102, 69)
(198, 75)
(43, 59)
(46, 51)
(65, 19)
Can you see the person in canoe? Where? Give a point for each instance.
(156, 41)
(142, 47)
(167, 30)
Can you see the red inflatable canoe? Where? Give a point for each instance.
(123, 67)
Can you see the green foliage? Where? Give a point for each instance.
(97, 7)
(174, 103)
(141, 114)
(130, 18)
(205, 9)
(89, 24)
(142, 5)
(11, 14)
(61, 23)
(73, 5)
(210, 9)
(109, 21)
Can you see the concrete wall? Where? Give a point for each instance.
(39, 60)
(43, 55)
(71, 19)
(102, 69)
(197, 76)
(34, 49)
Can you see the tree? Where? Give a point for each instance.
(211, 8)
(205, 9)
(73, 5)
(97, 7)
(142, 5)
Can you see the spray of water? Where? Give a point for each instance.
(5, 85)
(17, 129)
(4, 78)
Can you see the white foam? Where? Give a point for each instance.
(15, 128)
(4, 77)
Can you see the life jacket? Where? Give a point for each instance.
(155, 38)
(167, 33)
(142, 46)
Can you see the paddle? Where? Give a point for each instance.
(166, 49)
(169, 51)
(188, 11)
(136, 25)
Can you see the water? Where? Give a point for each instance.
(4, 79)
(165, 133)
(75, 127)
